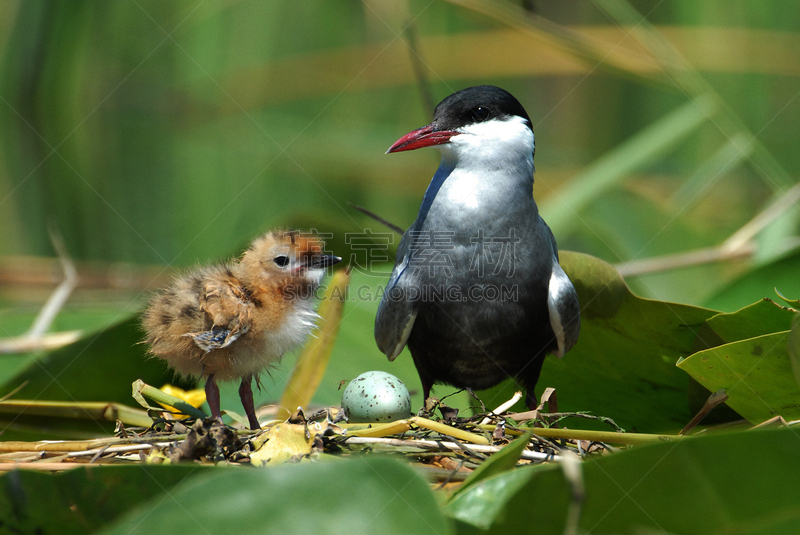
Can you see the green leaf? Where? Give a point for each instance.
(760, 318)
(793, 347)
(81, 500)
(73, 412)
(749, 357)
(365, 495)
(794, 303)
(623, 365)
(142, 390)
(99, 367)
(716, 484)
(756, 373)
(492, 503)
(502, 461)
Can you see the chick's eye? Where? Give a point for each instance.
(282, 261)
(481, 113)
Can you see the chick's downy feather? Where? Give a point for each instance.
(235, 319)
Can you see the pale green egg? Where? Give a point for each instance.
(376, 397)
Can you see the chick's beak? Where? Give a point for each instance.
(323, 261)
(426, 136)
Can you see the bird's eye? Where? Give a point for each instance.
(481, 113)
(282, 261)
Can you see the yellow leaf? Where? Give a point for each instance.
(195, 398)
(313, 361)
(284, 441)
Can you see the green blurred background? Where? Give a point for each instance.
(155, 135)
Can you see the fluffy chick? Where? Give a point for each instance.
(230, 321)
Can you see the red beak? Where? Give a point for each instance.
(426, 136)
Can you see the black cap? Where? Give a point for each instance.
(475, 105)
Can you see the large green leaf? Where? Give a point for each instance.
(491, 503)
(749, 357)
(760, 318)
(623, 365)
(502, 461)
(81, 500)
(364, 495)
(367, 495)
(756, 373)
(794, 347)
(717, 484)
(99, 367)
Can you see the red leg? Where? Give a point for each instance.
(212, 397)
(246, 393)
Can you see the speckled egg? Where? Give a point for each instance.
(376, 397)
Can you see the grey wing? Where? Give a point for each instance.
(229, 310)
(396, 314)
(562, 304)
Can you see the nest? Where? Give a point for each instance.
(446, 447)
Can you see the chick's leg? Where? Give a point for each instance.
(212, 397)
(246, 394)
